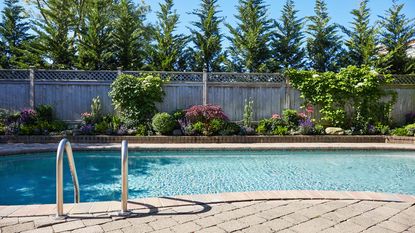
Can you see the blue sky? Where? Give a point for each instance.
(339, 10)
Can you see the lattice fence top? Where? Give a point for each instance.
(63, 75)
(404, 79)
(172, 76)
(245, 77)
(14, 74)
(109, 76)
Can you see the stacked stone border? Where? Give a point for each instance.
(212, 139)
(194, 139)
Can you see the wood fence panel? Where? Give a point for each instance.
(14, 95)
(268, 99)
(180, 96)
(404, 104)
(70, 99)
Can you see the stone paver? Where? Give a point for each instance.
(258, 216)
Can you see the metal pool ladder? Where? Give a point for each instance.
(65, 145)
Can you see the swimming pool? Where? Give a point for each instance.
(30, 179)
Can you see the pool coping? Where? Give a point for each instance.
(94, 208)
(20, 148)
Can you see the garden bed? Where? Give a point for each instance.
(212, 139)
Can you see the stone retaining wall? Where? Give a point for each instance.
(212, 139)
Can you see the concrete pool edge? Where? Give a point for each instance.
(17, 148)
(93, 208)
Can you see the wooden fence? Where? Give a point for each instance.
(71, 92)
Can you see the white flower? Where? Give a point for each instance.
(359, 85)
(316, 75)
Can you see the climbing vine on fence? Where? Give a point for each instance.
(353, 97)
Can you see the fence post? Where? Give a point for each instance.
(119, 71)
(205, 87)
(287, 93)
(32, 87)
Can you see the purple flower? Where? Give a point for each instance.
(306, 123)
(87, 129)
(27, 116)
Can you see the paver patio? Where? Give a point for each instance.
(266, 211)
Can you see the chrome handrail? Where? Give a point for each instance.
(65, 145)
(124, 178)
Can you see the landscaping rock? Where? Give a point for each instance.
(334, 131)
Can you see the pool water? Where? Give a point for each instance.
(30, 179)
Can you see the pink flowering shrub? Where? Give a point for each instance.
(202, 113)
(87, 117)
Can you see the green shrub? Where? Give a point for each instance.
(230, 128)
(29, 130)
(142, 130)
(267, 126)
(44, 113)
(382, 129)
(136, 97)
(179, 114)
(2, 129)
(116, 122)
(163, 123)
(280, 130)
(400, 132)
(411, 129)
(103, 127)
(292, 118)
(319, 129)
(263, 126)
(198, 128)
(213, 127)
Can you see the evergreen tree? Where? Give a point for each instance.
(250, 38)
(397, 32)
(286, 43)
(55, 29)
(3, 59)
(95, 42)
(168, 47)
(129, 35)
(207, 37)
(362, 37)
(323, 44)
(14, 31)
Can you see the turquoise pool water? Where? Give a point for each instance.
(29, 179)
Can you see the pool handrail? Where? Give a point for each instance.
(65, 145)
(124, 178)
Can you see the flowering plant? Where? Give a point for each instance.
(306, 126)
(87, 117)
(28, 116)
(204, 113)
(87, 129)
